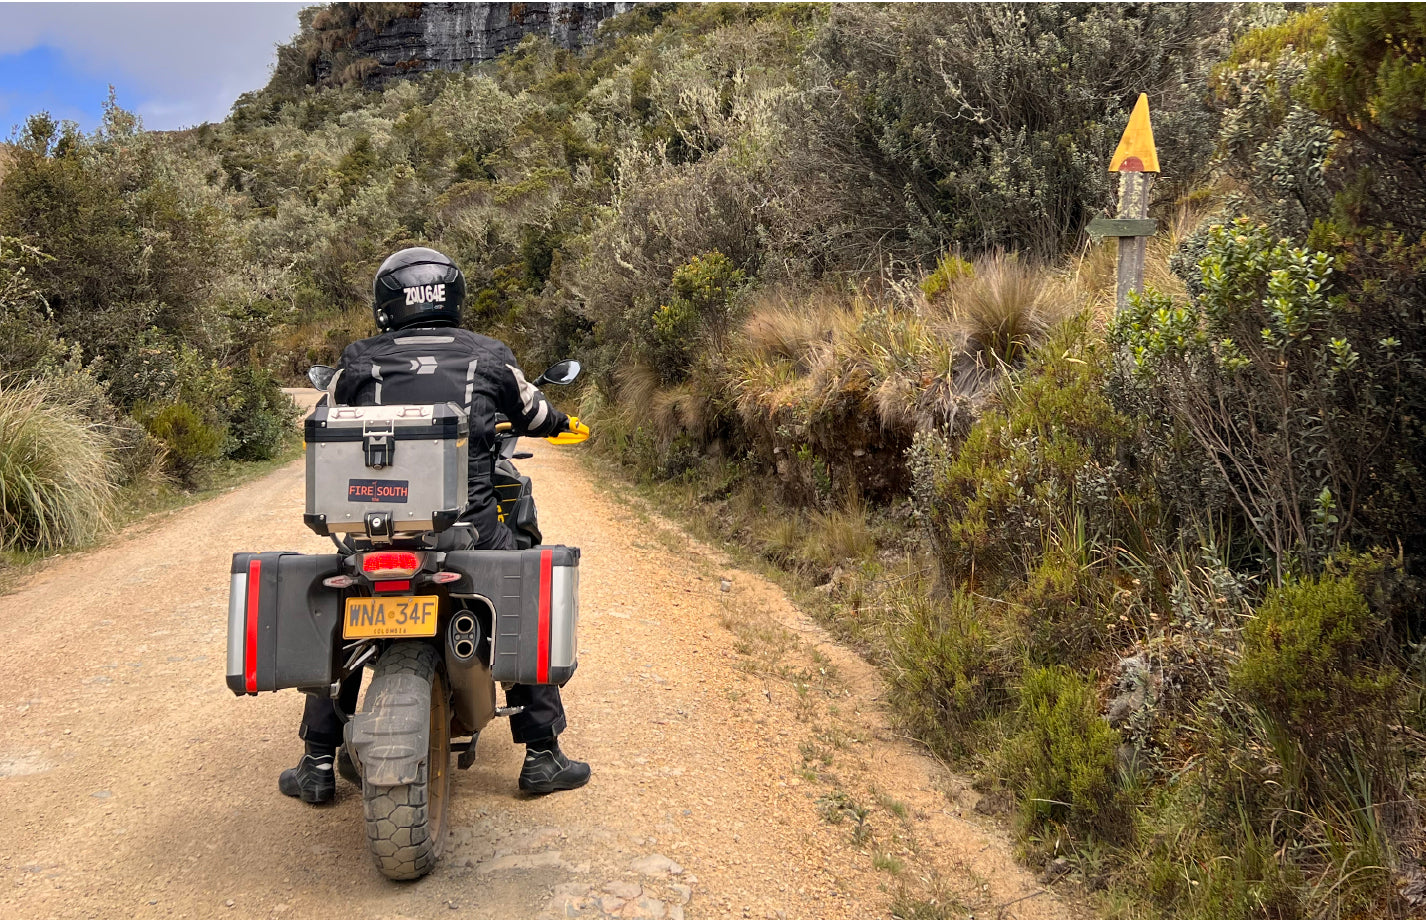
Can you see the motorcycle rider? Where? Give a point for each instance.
(422, 356)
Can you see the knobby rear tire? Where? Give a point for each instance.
(406, 825)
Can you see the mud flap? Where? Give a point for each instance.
(389, 741)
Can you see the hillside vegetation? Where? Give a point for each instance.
(1154, 578)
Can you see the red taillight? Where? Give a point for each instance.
(397, 564)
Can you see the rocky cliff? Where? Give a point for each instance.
(413, 38)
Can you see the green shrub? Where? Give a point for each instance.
(1061, 762)
(989, 125)
(137, 236)
(259, 415)
(1371, 84)
(1314, 660)
(1048, 453)
(56, 486)
(1072, 605)
(192, 445)
(674, 338)
(698, 310)
(26, 338)
(950, 269)
(1294, 411)
(947, 676)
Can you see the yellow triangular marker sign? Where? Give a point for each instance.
(1136, 151)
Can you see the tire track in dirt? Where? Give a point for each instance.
(742, 765)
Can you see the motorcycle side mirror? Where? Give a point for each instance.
(561, 373)
(321, 375)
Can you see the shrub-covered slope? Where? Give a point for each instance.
(1154, 577)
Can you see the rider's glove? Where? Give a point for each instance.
(576, 432)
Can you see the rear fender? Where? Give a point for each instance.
(389, 741)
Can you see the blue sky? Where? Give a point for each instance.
(176, 64)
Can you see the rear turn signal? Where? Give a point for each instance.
(445, 578)
(398, 564)
(339, 581)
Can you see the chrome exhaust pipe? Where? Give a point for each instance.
(472, 685)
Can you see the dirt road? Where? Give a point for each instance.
(742, 764)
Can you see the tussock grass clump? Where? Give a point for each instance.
(1007, 308)
(840, 534)
(779, 327)
(56, 486)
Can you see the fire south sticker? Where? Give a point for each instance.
(378, 491)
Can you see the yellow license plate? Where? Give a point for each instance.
(390, 617)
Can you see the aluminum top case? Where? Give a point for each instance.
(382, 471)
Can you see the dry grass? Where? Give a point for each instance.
(830, 353)
(839, 535)
(1006, 309)
(782, 328)
(839, 372)
(1090, 279)
(56, 472)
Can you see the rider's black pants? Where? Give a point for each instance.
(542, 719)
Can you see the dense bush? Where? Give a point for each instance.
(1267, 371)
(947, 677)
(129, 267)
(1047, 456)
(259, 415)
(988, 125)
(1314, 660)
(191, 444)
(695, 315)
(131, 236)
(1061, 761)
(1372, 83)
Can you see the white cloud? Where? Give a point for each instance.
(187, 62)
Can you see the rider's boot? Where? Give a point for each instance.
(312, 780)
(547, 769)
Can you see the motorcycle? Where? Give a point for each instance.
(438, 624)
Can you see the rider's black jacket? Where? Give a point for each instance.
(436, 365)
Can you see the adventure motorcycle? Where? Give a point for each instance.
(438, 624)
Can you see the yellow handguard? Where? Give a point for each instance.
(578, 433)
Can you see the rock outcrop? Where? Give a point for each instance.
(423, 37)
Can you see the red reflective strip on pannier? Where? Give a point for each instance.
(542, 667)
(254, 589)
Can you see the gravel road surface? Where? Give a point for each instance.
(743, 764)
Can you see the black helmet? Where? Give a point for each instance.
(417, 287)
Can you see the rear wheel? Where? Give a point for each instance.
(406, 825)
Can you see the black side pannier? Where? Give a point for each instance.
(535, 596)
(284, 625)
